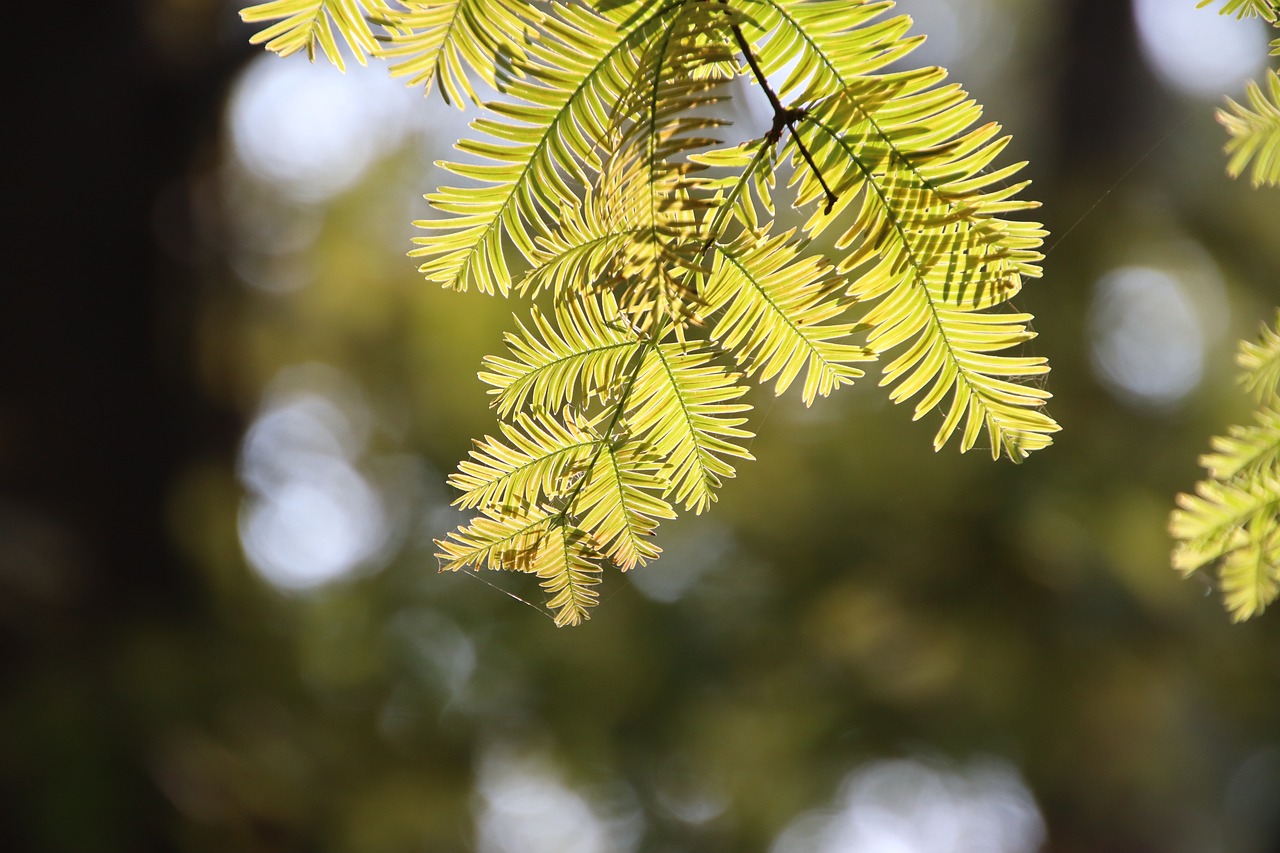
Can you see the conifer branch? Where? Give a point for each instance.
(620, 403)
(615, 417)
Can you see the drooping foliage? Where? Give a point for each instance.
(596, 181)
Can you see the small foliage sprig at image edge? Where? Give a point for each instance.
(669, 285)
(1233, 519)
(1254, 129)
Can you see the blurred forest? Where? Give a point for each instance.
(229, 405)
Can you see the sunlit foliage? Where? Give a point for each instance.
(1255, 133)
(308, 24)
(598, 178)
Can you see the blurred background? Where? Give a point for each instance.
(228, 405)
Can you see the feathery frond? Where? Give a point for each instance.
(1239, 524)
(535, 542)
(589, 245)
(1250, 575)
(547, 128)
(683, 405)
(530, 468)
(1261, 363)
(825, 46)
(1268, 10)
(747, 196)
(444, 39)
(1255, 132)
(1246, 451)
(931, 243)
(1211, 522)
(619, 505)
(930, 235)
(569, 575)
(776, 306)
(662, 116)
(1233, 519)
(582, 355)
(499, 538)
(306, 24)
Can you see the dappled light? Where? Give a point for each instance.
(909, 806)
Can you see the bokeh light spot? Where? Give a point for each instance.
(688, 555)
(312, 131)
(960, 34)
(310, 516)
(906, 806)
(1146, 339)
(526, 808)
(1198, 51)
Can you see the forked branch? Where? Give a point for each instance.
(782, 116)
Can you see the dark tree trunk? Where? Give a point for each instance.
(99, 407)
(1103, 85)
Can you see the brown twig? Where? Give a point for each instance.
(782, 116)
